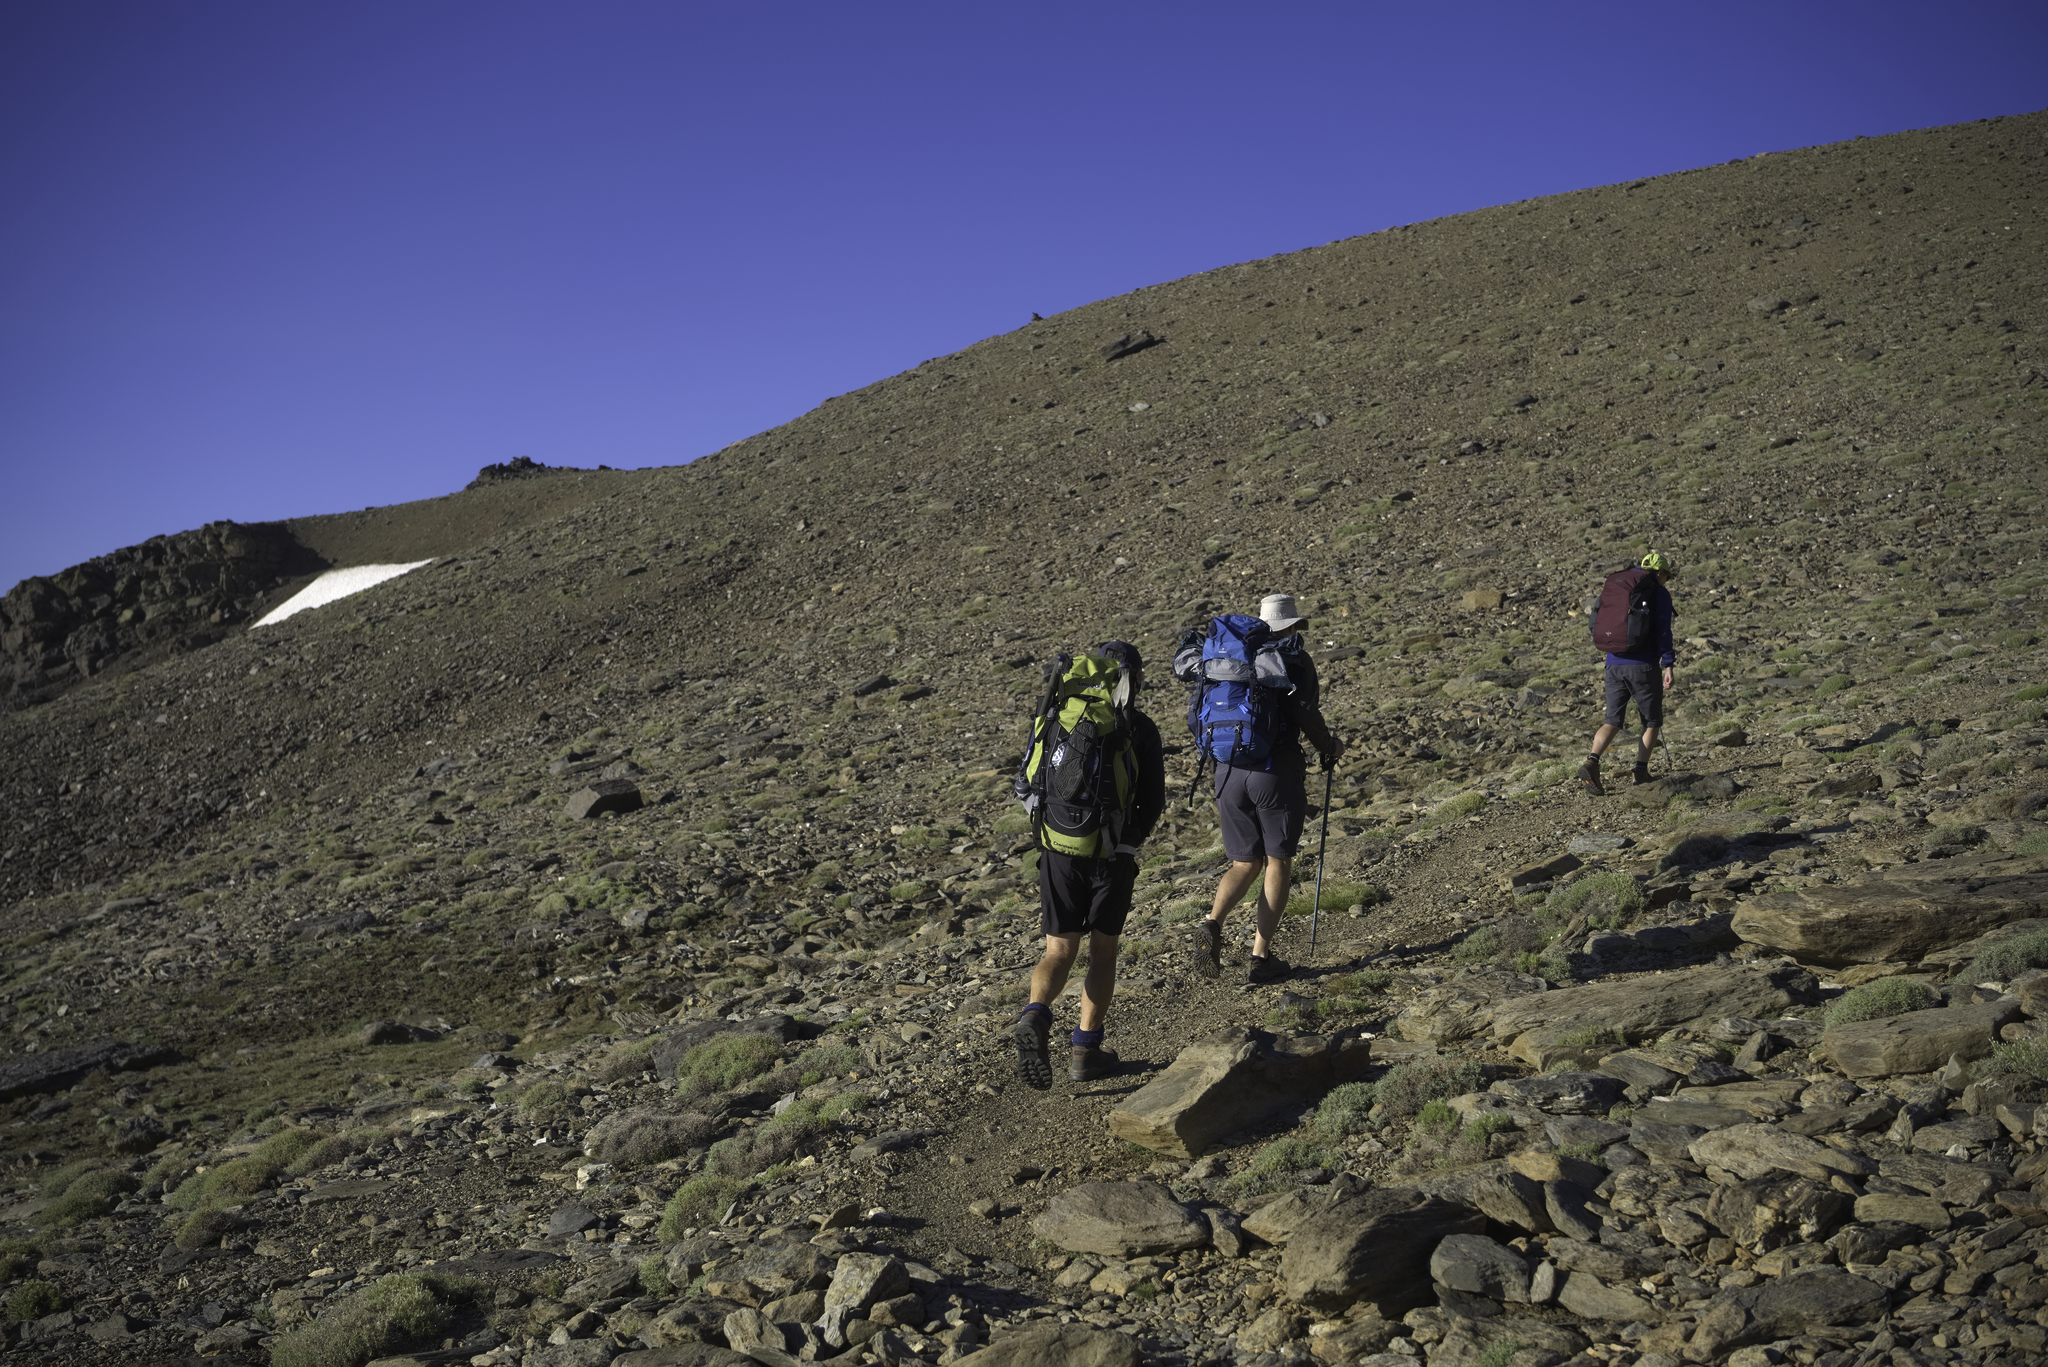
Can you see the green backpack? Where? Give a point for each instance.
(1080, 771)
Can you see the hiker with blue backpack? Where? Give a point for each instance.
(1631, 622)
(1094, 782)
(1253, 695)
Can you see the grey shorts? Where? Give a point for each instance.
(1635, 679)
(1261, 812)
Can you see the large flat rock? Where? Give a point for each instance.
(1058, 1345)
(1121, 1220)
(1458, 1009)
(1231, 1080)
(1917, 1041)
(1374, 1246)
(1645, 1007)
(59, 1068)
(1907, 914)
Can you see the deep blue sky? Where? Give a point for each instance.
(263, 259)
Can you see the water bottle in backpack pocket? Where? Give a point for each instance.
(1236, 678)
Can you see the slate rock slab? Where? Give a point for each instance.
(1642, 1008)
(1562, 1093)
(1784, 1308)
(1121, 1220)
(1903, 916)
(1458, 1009)
(683, 1355)
(1475, 1264)
(1057, 1345)
(1917, 1041)
(605, 795)
(60, 1068)
(1374, 1246)
(1231, 1080)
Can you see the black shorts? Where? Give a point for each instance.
(1261, 812)
(1641, 681)
(1078, 894)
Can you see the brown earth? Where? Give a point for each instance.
(1814, 377)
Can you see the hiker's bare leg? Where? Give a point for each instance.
(1049, 979)
(1230, 891)
(1603, 738)
(1100, 985)
(1272, 901)
(1645, 746)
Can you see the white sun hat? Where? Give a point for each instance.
(1276, 610)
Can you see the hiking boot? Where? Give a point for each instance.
(1091, 1061)
(1589, 777)
(1640, 774)
(1266, 969)
(1208, 948)
(1034, 1060)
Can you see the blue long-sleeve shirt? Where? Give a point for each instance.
(1656, 649)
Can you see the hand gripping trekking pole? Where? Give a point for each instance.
(1322, 843)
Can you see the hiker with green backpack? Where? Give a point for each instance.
(1094, 781)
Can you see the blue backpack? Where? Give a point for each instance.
(1235, 676)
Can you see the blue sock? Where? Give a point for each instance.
(1040, 1007)
(1087, 1039)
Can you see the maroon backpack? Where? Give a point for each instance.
(1621, 614)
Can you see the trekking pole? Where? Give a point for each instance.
(1322, 842)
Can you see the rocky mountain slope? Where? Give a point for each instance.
(602, 940)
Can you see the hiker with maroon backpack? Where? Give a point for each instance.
(1632, 623)
(1253, 694)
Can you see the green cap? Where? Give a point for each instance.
(1660, 563)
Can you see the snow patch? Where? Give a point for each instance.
(335, 585)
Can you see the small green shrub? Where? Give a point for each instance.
(2031, 693)
(32, 1300)
(1483, 1128)
(1949, 840)
(1594, 1036)
(1359, 983)
(546, 1100)
(697, 1203)
(205, 1229)
(57, 1180)
(386, 1315)
(1498, 1354)
(332, 1149)
(636, 1139)
(1344, 1109)
(92, 1195)
(628, 1060)
(1833, 683)
(1881, 997)
(2027, 1056)
(1408, 1087)
(2037, 843)
(1457, 809)
(2007, 957)
(1435, 1117)
(1276, 1166)
(287, 1147)
(1605, 895)
(1482, 944)
(654, 1278)
(826, 1060)
(723, 1062)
